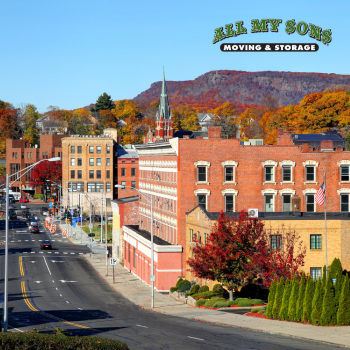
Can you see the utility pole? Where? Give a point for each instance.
(101, 216)
(81, 219)
(106, 240)
(90, 226)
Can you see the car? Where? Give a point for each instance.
(91, 235)
(33, 222)
(12, 216)
(29, 217)
(25, 212)
(45, 245)
(24, 200)
(23, 206)
(34, 229)
(11, 206)
(42, 209)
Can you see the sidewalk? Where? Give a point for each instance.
(138, 292)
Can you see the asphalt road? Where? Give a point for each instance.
(58, 288)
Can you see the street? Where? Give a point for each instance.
(58, 288)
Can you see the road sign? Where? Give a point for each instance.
(106, 251)
(153, 278)
(112, 261)
(50, 205)
(91, 226)
(91, 245)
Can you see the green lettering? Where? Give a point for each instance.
(326, 36)
(315, 32)
(240, 28)
(219, 35)
(290, 29)
(259, 27)
(302, 28)
(274, 24)
(229, 31)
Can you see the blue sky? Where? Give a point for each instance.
(66, 53)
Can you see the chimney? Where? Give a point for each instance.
(214, 132)
(305, 147)
(326, 145)
(280, 131)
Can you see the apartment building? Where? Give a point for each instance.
(88, 166)
(20, 154)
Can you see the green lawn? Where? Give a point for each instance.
(97, 231)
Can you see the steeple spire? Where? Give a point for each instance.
(164, 103)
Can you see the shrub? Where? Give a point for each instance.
(232, 302)
(60, 342)
(240, 299)
(264, 314)
(38, 196)
(217, 286)
(173, 289)
(278, 298)
(329, 314)
(207, 295)
(258, 302)
(181, 283)
(178, 282)
(218, 289)
(204, 289)
(283, 314)
(200, 302)
(218, 298)
(195, 289)
(209, 303)
(317, 302)
(245, 303)
(309, 295)
(292, 308)
(262, 311)
(334, 268)
(257, 309)
(338, 285)
(300, 302)
(343, 315)
(220, 303)
(271, 299)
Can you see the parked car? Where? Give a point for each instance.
(34, 229)
(45, 245)
(24, 200)
(23, 206)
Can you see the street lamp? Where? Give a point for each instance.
(149, 200)
(29, 168)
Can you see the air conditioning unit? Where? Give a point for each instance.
(253, 213)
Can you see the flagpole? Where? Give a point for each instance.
(325, 220)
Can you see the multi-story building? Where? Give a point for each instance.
(20, 154)
(88, 166)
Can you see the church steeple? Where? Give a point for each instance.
(164, 102)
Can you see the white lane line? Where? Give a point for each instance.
(49, 252)
(40, 240)
(72, 253)
(67, 302)
(60, 295)
(81, 253)
(138, 325)
(25, 252)
(57, 252)
(47, 265)
(53, 240)
(195, 338)
(26, 240)
(79, 308)
(65, 253)
(12, 241)
(16, 329)
(41, 252)
(56, 288)
(60, 240)
(32, 252)
(33, 240)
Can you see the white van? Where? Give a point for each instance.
(16, 195)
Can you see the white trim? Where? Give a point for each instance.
(269, 191)
(269, 163)
(160, 195)
(165, 170)
(202, 191)
(179, 270)
(202, 163)
(229, 163)
(344, 162)
(309, 191)
(287, 191)
(286, 163)
(229, 191)
(311, 162)
(343, 191)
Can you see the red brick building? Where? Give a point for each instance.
(19, 155)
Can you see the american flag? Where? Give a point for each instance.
(320, 195)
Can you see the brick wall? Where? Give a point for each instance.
(128, 164)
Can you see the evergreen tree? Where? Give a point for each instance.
(271, 299)
(317, 303)
(293, 300)
(283, 314)
(338, 286)
(329, 310)
(278, 298)
(301, 295)
(334, 268)
(324, 276)
(343, 315)
(307, 305)
(103, 102)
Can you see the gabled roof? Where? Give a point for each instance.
(205, 117)
(317, 137)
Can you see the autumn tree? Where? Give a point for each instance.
(185, 118)
(9, 128)
(227, 109)
(80, 122)
(228, 126)
(30, 117)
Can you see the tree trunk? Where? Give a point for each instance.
(230, 292)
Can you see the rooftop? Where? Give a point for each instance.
(126, 152)
(145, 234)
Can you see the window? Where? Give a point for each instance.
(133, 184)
(108, 161)
(72, 161)
(98, 149)
(108, 174)
(202, 174)
(268, 202)
(229, 174)
(268, 173)
(316, 272)
(94, 187)
(310, 202)
(229, 203)
(202, 200)
(133, 171)
(98, 174)
(53, 154)
(80, 161)
(134, 256)
(80, 149)
(91, 161)
(91, 174)
(108, 202)
(344, 173)
(91, 149)
(98, 161)
(122, 173)
(198, 237)
(191, 235)
(22, 155)
(72, 174)
(276, 242)
(286, 173)
(79, 174)
(344, 202)
(108, 187)
(132, 161)
(72, 149)
(79, 186)
(315, 241)
(28, 175)
(14, 168)
(123, 183)
(108, 149)
(37, 155)
(14, 155)
(286, 202)
(310, 173)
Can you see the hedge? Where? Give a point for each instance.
(343, 315)
(329, 306)
(278, 298)
(173, 289)
(179, 282)
(317, 302)
(258, 309)
(221, 303)
(200, 302)
(300, 302)
(240, 299)
(204, 289)
(309, 295)
(38, 196)
(292, 308)
(271, 299)
(208, 295)
(41, 341)
(245, 303)
(195, 289)
(283, 313)
(232, 302)
(257, 302)
(209, 303)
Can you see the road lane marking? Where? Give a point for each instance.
(67, 302)
(79, 308)
(57, 252)
(32, 252)
(56, 288)
(60, 295)
(21, 266)
(195, 338)
(16, 329)
(47, 265)
(81, 253)
(138, 325)
(64, 281)
(37, 281)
